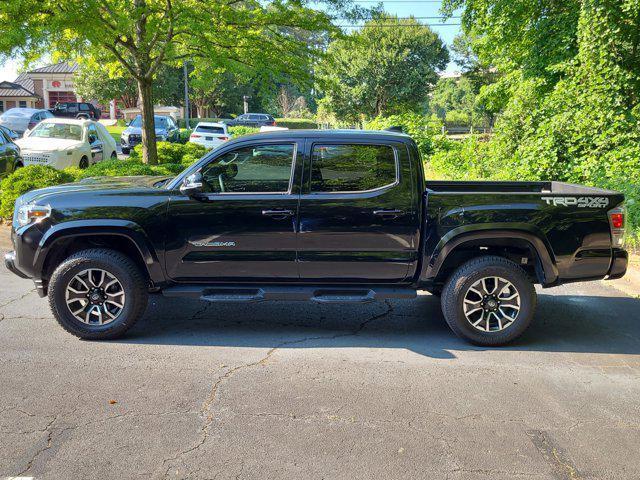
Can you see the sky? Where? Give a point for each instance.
(401, 8)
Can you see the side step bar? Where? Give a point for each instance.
(319, 294)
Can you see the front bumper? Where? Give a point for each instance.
(10, 263)
(619, 262)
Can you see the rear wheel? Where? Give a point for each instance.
(114, 155)
(97, 294)
(489, 301)
(84, 163)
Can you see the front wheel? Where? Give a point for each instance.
(489, 301)
(84, 163)
(97, 294)
(114, 155)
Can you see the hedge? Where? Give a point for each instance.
(25, 179)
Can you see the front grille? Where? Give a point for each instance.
(37, 157)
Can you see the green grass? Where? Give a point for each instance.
(115, 132)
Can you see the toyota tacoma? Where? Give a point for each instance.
(324, 216)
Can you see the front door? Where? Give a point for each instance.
(244, 227)
(357, 222)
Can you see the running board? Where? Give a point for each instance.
(319, 294)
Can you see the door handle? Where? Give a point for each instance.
(277, 213)
(388, 213)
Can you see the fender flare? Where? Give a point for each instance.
(123, 228)
(464, 234)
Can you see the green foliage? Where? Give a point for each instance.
(239, 130)
(379, 70)
(25, 179)
(296, 123)
(421, 128)
(171, 152)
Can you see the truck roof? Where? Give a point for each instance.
(370, 134)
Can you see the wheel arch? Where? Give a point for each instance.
(62, 240)
(462, 243)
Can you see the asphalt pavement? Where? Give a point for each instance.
(305, 391)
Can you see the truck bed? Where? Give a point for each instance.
(446, 186)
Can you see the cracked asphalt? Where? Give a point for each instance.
(297, 390)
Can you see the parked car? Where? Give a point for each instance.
(253, 120)
(166, 131)
(10, 158)
(76, 110)
(67, 142)
(9, 133)
(209, 134)
(327, 216)
(22, 119)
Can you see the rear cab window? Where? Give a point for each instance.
(352, 168)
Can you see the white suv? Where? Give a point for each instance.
(209, 134)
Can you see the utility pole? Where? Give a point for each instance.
(186, 95)
(245, 101)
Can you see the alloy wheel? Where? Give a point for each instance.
(491, 304)
(95, 297)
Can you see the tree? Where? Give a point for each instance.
(99, 82)
(143, 35)
(389, 66)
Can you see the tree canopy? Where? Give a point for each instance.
(142, 35)
(381, 70)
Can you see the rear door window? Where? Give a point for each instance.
(352, 168)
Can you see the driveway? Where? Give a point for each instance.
(297, 390)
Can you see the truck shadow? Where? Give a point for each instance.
(564, 323)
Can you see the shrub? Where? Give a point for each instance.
(25, 179)
(117, 168)
(239, 130)
(171, 152)
(296, 123)
(420, 127)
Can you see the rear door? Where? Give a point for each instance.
(244, 228)
(96, 144)
(356, 218)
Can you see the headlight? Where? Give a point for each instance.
(32, 214)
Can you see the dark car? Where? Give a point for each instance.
(10, 158)
(317, 215)
(166, 131)
(253, 120)
(76, 110)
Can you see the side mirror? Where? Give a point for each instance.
(192, 185)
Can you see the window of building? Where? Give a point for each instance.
(352, 168)
(1, 105)
(22, 104)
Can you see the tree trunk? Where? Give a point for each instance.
(149, 149)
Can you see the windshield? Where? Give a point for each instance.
(161, 122)
(57, 130)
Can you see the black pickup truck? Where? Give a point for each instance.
(326, 216)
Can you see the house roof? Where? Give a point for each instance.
(12, 89)
(61, 67)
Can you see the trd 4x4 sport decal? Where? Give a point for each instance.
(580, 202)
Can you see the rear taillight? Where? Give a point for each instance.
(616, 224)
(224, 139)
(193, 135)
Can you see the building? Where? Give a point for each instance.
(40, 88)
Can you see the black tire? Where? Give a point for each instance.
(133, 282)
(125, 151)
(457, 286)
(114, 155)
(84, 163)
